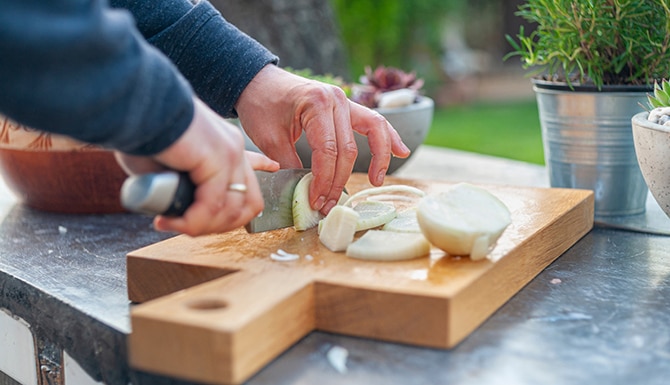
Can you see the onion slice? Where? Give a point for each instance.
(379, 245)
(337, 230)
(404, 222)
(464, 220)
(373, 214)
(304, 217)
(399, 188)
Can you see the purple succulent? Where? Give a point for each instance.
(383, 79)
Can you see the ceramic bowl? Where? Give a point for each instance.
(412, 123)
(652, 148)
(54, 173)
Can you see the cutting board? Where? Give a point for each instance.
(218, 308)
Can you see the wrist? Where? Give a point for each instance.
(264, 88)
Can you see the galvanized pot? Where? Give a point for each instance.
(588, 143)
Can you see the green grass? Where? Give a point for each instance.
(505, 129)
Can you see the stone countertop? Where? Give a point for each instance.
(597, 314)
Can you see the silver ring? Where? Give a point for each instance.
(238, 187)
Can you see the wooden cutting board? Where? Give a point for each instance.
(221, 308)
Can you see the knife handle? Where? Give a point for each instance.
(167, 193)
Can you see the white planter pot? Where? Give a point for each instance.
(652, 146)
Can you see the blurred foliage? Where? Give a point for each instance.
(399, 33)
(324, 78)
(505, 129)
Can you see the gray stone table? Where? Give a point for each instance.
(599, 314)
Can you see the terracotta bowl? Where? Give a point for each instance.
(412, 123)
(652, 149)
(57, 174)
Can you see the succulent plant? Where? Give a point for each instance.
(383, 80)
(661, 97)
(660, 104)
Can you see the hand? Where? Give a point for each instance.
(212, 151)
(277, 106)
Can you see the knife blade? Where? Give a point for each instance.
(170, 193)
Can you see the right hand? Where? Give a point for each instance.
(212, 152)
(277, 106)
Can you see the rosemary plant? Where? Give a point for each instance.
(595, 42)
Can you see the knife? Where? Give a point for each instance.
(170, 193)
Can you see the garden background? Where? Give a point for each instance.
(484, 104)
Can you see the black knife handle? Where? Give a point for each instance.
(167, 193)
(183, 196)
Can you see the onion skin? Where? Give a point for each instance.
(304, 217)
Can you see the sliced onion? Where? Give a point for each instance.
(337, 230)
(378, 245)
(399, 188)
(304, 217)
(464, 220)
(373, 214)
(404, 222)
(283, 256)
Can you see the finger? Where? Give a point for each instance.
(383, 140)
(278, 145)
(132, 164)
(284, 154)
(347, 152)
(334, 149)
(258, 161)
(232, 208)
(240, 206)
(211, 200)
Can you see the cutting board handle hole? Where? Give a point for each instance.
(207, 304)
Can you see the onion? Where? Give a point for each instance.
(337, 230)
(404, 222)
(464, 220)
(303, 216)
(379, 245)
(373, 214)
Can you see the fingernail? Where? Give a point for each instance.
(328, 206)
(381, 176)
(320, 202)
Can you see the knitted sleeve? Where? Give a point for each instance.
(82, 69)
(217, 58)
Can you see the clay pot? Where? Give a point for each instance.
(54, 173)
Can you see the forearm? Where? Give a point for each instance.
(218, 59)
(82, 70)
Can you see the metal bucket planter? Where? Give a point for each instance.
(588, 143)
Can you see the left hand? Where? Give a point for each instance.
(277, 106)
(211, 150)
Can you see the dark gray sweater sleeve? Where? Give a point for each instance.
(218, 59)
(79, 68)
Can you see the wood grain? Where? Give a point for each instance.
(253, 308)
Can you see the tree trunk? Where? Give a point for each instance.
(303, 33)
